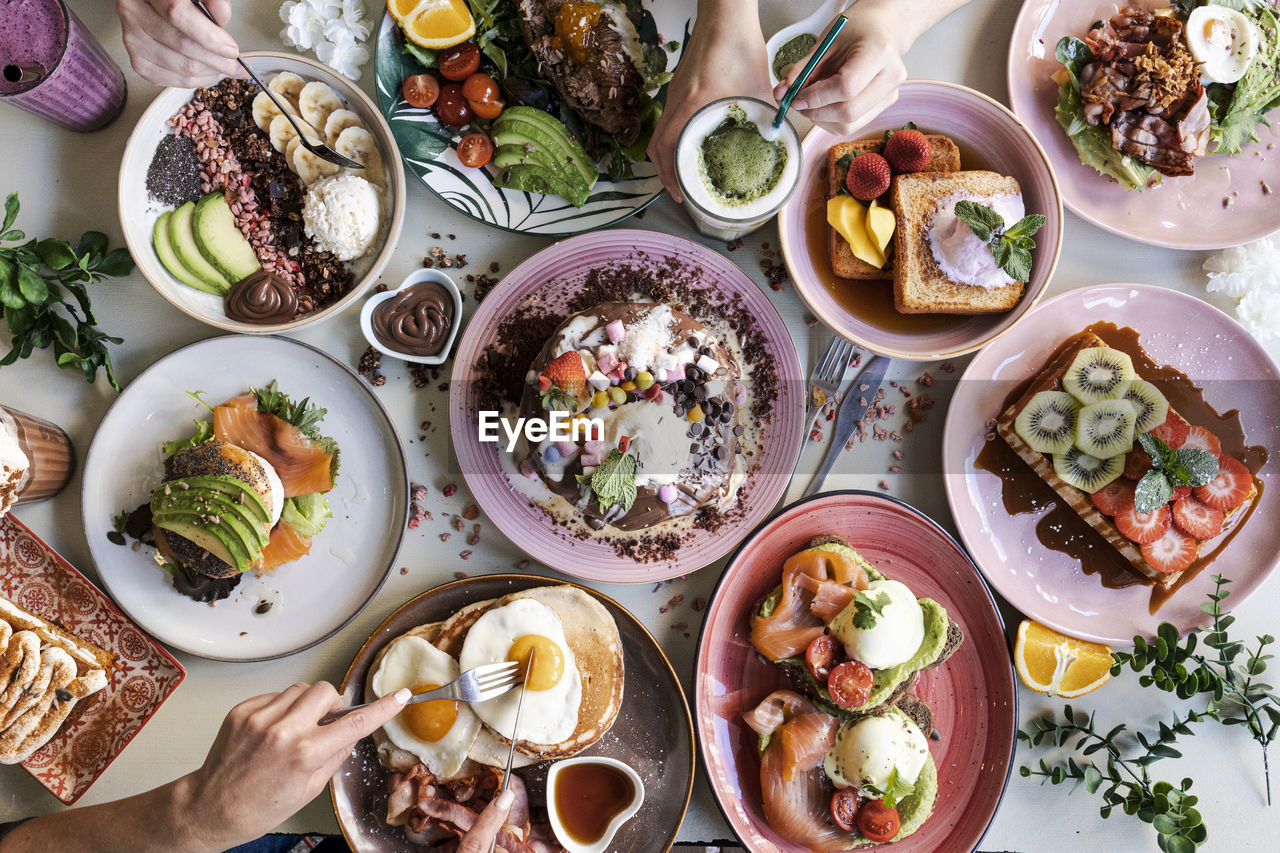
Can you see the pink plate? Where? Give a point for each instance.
(36, 578)
(975, 707)
(551, 277)
(1182, 213)
(989, 137)
(1048, 585)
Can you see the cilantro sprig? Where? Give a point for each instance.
(45, 301)
(895, 790)
(867, 609)
(1011, 247)
(613, 481)
(1170, 468)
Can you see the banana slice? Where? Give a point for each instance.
(264, 110)
(289, 86)
(338, 121)
(281, 133)
(316, 102)
(359, 144)
(294, 145)
(311, 168)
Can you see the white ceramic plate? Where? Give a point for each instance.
(138, 211)
(349, 559)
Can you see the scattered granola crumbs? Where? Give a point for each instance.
(460, 575)
(458, 523)
(451, 237)
(435, 235)
(810, 320)
(450, 490)
(381, 287)
(370, 362)
(522, 565)
(698, 604)
(1266, 187)
(471, 512)
(404, 570)
(948, 367)
(926, 379)
(473, 540)
(680, 626)
(894, 469)
(897, 454)
(884, 484)
(444, 537)
(419, 492)
(415, 523)
(466, 555)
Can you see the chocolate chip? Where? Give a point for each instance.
(738, 430)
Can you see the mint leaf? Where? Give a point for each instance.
(984, 221)
(1153, 491)
(1017, 262)
(613, 481)
(1026, 226)
(866, 609)
(1196, 467)
(1155, 448)
(897, 789)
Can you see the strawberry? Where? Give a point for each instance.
(1197, 519)
(1144, 527)
(868, 177)
(1179, 492)
(1230, 488)
(1114, 498)
(1199, 438)
(567, 372)
(1172, 552)
(1136, 463)
(1173, 431)
(907, 151)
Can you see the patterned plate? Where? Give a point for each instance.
(549, 277)
(975, 706)
(36, 578)
(424, 144)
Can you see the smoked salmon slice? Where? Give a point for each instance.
(284, 546)
(302, 464)
(809, 594)
(797, 808)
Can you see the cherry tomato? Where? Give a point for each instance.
(451, 108)
(877, 823)
(421, 90)
(821, 656)
(480, 88)
(487, 110)
(850, 684)
(475, 149)
(844, 808)
(459, 62)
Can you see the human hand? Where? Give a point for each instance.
(172, 43)
(480, 838)
(270, 758)
(859, 76)
(725, 58)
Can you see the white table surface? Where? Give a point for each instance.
(68, 184)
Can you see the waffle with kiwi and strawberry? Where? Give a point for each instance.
(1156, 487)
(667, 395)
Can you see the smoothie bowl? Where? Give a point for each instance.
(234, 222)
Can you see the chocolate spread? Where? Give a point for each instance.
(416, 320)
(262, 298)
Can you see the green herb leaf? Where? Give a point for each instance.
(1200, 466)
(119, 521)
(1027, 226)
(1153, 491)
(984, 221)
(203, 433)
(897, 789)
(1154, 448)
(867, 609)
(613, 481)
(1018, 262)
(10, 211)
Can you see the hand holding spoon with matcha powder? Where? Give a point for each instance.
(771, 132)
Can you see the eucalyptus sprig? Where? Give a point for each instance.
(39, 280)
(1124, 779)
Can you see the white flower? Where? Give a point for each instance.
(345, 57)
(1259, 313)
(1239, 269)
(334, 29)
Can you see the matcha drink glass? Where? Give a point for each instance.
(733, 178)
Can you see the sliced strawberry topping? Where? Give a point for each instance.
(1199, 438)
(1230, 488)
(1143, 527)
(1179, 492)
(1136, 463)
(1173, 431)
(1193, 517)
(1172, 552)
(1114, 498)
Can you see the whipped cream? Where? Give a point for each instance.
(14, 464)
(342, 214)
(959, 253)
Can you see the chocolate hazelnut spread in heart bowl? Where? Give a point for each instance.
(417, 321)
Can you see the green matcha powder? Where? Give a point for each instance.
(738, 164)
(791, 53)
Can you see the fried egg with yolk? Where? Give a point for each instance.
(553, 686)
(439, 732)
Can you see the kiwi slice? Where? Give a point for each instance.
(1085, 472)
(1106, 428)
(1149, 405)
(1099, 373)
(1048, 421)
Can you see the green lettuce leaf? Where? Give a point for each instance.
(306, 514)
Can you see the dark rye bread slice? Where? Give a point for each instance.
(943, 157)
(919, 285)
(1050, 379)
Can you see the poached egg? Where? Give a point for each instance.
(868, 751)
(897, 631)
(1224, 41)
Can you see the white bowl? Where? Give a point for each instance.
(366, 316)
(601, 845)
(138, 212)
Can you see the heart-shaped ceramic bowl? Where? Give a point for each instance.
(572, 845)
(417, 277)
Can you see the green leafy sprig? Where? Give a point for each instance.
(46, 303)
(300, 413)
(1011, 247)
(867, 609)
(1170, 468)
(897, 789)
(613, 481)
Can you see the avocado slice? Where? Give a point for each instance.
(519, 154)
(533, 178)
(214, 504)
(220, 240)
(218, 540)
(183, 240)
(549, 133)
(237, 489)
(169, 258)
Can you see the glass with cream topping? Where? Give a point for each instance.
(36, 458)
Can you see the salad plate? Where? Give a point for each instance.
(305, 601)
(1048, 584)
(428, 152)
(1226, 202)
(972, 694)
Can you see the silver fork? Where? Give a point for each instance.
(827, 376)
(324, 152)
(474, 685)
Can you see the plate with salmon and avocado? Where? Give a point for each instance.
(247, 511)
(530, 115)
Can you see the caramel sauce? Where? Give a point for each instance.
(589, 796)
(1061, 529)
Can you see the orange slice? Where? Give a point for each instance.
(1053, 663)
(434, 24)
